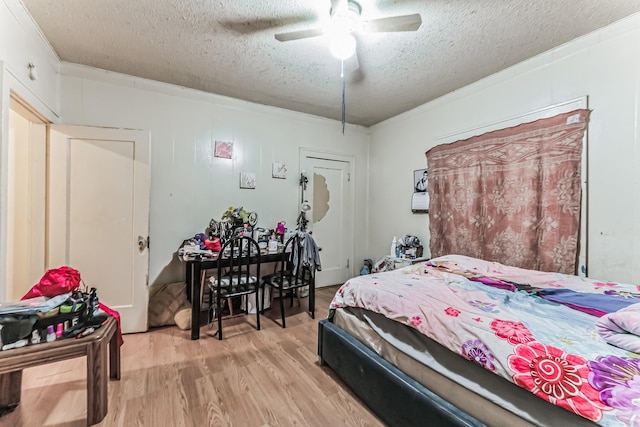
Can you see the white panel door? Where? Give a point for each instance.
(330, 218)
(98, 214)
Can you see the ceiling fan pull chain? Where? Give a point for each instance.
(343, 90)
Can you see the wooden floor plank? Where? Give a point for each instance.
(270, 377)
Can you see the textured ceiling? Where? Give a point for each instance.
(228, 47)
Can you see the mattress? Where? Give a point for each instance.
(485, 396)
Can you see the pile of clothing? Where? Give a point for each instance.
(55, 305)
(309, 252)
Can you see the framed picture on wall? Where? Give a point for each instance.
(420, 181)
(223, 149)
(247, 180)
(279, 170)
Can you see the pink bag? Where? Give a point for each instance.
(56, 281)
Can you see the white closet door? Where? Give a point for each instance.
(98, 214)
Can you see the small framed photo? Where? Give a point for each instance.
(279, 170)
(420, 181)
(248, 180)
(223, 149)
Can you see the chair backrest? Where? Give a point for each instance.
(236, 257)
(293, 264)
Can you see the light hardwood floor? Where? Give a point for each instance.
(270, 377)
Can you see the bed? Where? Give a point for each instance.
(461, 341)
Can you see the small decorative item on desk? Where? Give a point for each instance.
(199, 245)
(273, 245)
(280, 231)
(234, 219)
(236, 216)
(409, 247)
(213, 244)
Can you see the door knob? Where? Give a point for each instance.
(142, 243)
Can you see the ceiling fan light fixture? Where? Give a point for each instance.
(342, 45)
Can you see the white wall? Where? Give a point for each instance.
(188, 185)
(605, 66)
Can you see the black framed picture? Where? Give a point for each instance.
(420, 181)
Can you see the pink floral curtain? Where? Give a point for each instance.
(511, 195)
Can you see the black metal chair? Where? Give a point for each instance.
(292, 273)
(234, 278)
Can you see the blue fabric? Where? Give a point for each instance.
(600, 302)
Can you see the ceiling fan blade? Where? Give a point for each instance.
(393, 23)
(243, 26)
(301, 34)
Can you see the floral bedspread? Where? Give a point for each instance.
(549, 349)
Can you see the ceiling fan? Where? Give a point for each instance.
(346, 20)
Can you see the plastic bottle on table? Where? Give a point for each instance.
(93, 303)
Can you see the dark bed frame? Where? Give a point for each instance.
(392, 395)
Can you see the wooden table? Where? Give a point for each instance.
(98, 346)
(193, 280)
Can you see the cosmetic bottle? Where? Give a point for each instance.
(35, 337)
(51, 335)
(93, 303)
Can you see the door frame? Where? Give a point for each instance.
(20, 107)
(351, 161)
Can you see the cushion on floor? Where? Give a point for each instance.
(165, 301)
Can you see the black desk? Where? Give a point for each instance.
(193, 282)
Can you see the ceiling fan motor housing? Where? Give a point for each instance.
(352, 7)
(348, 18)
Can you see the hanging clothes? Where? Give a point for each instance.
(309, 252)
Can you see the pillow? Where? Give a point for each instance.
(183, 318)
(165, 301)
